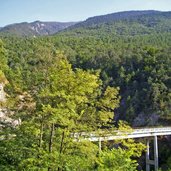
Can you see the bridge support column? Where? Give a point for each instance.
(155, 161)
(156, 153)
(100, 145)
(148, 155)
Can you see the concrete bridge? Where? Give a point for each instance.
(148, 133)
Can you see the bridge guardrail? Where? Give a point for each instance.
(119, 134)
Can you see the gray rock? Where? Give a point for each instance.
(146, 119)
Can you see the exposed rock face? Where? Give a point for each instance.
(37, 28)
(4, 119)
(146, 119)
(2, 93)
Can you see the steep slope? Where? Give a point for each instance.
(36, 28)
(116, 17)
(132, 53)
(131, 49)
(124, 23)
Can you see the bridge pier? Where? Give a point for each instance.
(148, 155)
(100, 145)
(155, 161)
(136, 133)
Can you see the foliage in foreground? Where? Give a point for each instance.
(64, 102)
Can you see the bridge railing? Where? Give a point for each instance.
(122, 134)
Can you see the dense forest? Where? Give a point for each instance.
(108, 72)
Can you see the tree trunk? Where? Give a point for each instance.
(41, 135)
(51, 137)
(61, 146)
(52, 131)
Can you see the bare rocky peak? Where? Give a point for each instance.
(36, 28)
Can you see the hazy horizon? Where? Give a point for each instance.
(70, 10)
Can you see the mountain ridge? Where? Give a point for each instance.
(127, 23)
(36, 28)
(135, 22)
(123, 15)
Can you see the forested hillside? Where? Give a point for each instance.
(126, 24)
(132, 50)
(85, 78)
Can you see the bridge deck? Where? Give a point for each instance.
(134, 133)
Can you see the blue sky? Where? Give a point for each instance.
(14, 11)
